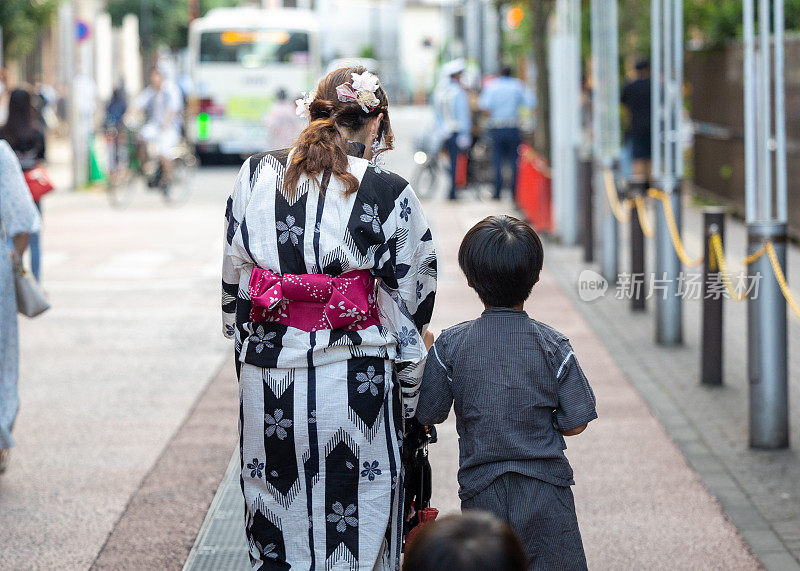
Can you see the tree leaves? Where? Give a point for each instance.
(22, 21)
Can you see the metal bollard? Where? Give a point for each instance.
(767, 342)
(711, 351)
(586, 171)
(669, 316)
(638, 294)
(609, 261)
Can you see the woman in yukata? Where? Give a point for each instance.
(329, 280)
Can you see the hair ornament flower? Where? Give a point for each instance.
(303, 105)
(361, 90)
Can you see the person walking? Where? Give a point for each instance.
(26, 137)
(636, 99)
(517, 390)
(328, 285)
(282, 122)
(453, 115)
(502, 98)
(18, 221)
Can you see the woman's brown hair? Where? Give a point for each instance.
(322, 146)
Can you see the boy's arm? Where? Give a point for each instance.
(436, 395)
(428, 338)
(576, 401)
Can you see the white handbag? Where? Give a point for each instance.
(31, 300)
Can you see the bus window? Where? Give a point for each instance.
(254, 48)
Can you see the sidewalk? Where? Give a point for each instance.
(640, 503)
(759, 490)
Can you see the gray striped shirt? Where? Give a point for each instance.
(514, 383)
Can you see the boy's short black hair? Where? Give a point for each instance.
(501, 256)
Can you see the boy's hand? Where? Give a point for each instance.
(574, 431)
(428, 338)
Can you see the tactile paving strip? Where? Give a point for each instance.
(221, 543)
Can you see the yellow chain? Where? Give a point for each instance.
(718, 259)
(755, 255)
(779, 275)
(621, 210)
(673, 229)
(644, 220)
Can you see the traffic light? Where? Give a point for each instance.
(514, 17)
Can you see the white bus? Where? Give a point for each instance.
(239, 59)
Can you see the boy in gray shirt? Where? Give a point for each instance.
(517, 390)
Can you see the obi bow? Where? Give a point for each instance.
(313, 301)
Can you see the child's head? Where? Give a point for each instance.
(501, 257)
(475, 540)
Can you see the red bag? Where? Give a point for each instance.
(461, 170)
(426, 515)
(39, 182)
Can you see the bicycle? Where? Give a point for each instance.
(127, 174)
(432, 162)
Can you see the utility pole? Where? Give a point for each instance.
(667, 170)
(146, 27)
(565, 116)
(67, 14)
(766, 223)
(605, 119)
(541, 10)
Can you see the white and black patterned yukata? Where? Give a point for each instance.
(321, 415)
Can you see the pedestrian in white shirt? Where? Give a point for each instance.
(451, 104)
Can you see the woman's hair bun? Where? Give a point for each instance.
(321, 109)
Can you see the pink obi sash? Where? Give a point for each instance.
(312, 302)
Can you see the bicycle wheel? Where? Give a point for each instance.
(481, 175)
(122, 176)
(121, 186)
(181, 179)
(424, 180)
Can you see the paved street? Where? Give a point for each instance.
(129, 417)
(111, 371)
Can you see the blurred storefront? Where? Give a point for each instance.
(718, 157)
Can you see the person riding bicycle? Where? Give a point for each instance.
(162, 104)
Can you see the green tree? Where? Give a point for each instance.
(714, 22)
(22, 21)
(169, 19)
(530, 40)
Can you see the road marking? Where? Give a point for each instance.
(153, 284)
(133, 264)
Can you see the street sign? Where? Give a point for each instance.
(82, 30)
